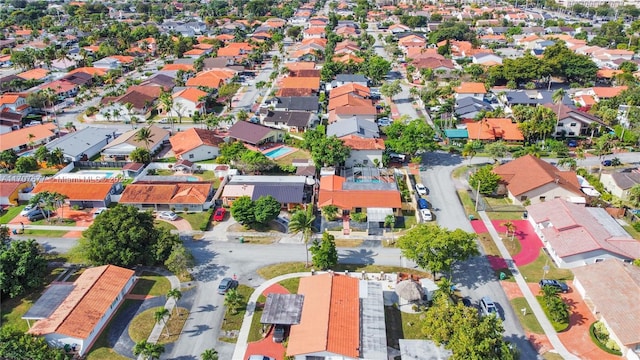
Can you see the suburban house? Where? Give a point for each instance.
(342, 318)
(364, 151)
(9, 191)
(575, 235)
(470, 107)
(82, 144)
(196, 144)
(475, 90)
(29, 137)
(123, 145)
(162, 196)
(510, 98)
(83, 193)
(360, 127)
(142, 99)
(531, 179)
(295, 103)
(187, 102)
(620, 183)
(293, 121)
(573, 122)
(492, 129)
(352, 89)
(74, 314)
(212, 79)
(309, 83)
(344, 79)
(596, 283)
(255, 134)
(290, 191)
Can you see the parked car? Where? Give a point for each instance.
(279, 333)
(487, 306)
(421, 189)
(38, 214)
(555, 284)
(383, 122)
(426, 215)
(606, 163)
(397, 157)
(219, 214)
(226, 284)
(99, 211)
(260, 357)
(168, 215)
(572, 143)
(423, 204)
(27, 209)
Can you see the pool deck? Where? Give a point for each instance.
(280, 146)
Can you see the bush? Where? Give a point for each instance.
(636, 225)
(207, 220)
(359, 217)
(600, 336)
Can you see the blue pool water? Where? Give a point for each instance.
(192, 178)
(375, 181)
(273, 154)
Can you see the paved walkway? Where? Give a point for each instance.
(241, 343)
(533, 303)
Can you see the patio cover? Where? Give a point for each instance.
(378, 214)
(282, 309)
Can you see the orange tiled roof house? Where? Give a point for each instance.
(75, 314)
(161, 196)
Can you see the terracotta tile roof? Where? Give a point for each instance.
(212, 78)
(529, 172)
(123, 59)
(9, 187)
(294, 92)
(21, 137)
(316, 41)
(59, 86)
(34, 74)
(331, 193)
(494, 129)
(89, 70)
(607, 73)
(346, 58)
(300, 65)
(7, 99)
(176, 67)
(330, 320)
(195, 52)
(76, 190)
(94, 292)
(347, 100)
(356, 110)
(166, 193)
(471, 88)
(358, 143)
(622, 311)
(188, 140)
(354, 88)
(301, 83)
(192, 94)
(608, 92)
(573, 229)
(140, 96)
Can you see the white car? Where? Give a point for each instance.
(27, 209)
(168, 215)
(99, 211)
(426, 215)
(421, 189)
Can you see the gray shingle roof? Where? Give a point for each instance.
(626, 180)
(249, 132)
(76, 143)
(291, 118)
(301, 103)
(360, 127)
(284, 193)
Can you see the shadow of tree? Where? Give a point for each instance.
(361, 256)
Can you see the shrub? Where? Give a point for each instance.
(597, 332)
(359, 217)
(207, 220)
(636, 225)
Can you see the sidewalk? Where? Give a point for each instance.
(241, 343)
(533, 303)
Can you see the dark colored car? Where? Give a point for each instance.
(572, 143)
(219, 214)
(555, 284)
(226, 284)
(279, 332)
(423, 204)
(38, 215)
(606, 163)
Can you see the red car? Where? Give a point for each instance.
(219, 214)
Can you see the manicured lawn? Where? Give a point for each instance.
(48, 171)
(288, 159)
(76, 255)
(164, 225)
(291, 284)
(557, 326)
(468, 203)
(412, 325)
(534, 272)
(552, 356)
(504, 215)
(233, 322)
(409, 221)
(101, 350)
(141, 326)
(255, 332)
(259, 240)
(194, 218)
(513, 246)
(529, 321)
(11, 213)
(488, 244)
(151, 284)
(635, 234)
(13, 309)
(271, 227)
(348, 242)
(271, 271)
(46, 233)
(460, 171)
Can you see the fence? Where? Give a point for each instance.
(99, 164)
(494, 204)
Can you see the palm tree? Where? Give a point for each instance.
(30, 137)
(302, 221)
(161, 315)
(176, 295)
(166, 103)
(129, 107)
(511, 228)
(557, 98)
(209, 354)
(233, 300)
(69, 126)
(144, 135)
(149, 351)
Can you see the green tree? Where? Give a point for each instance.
(634, 195)
(42, 154)
(302, 222)
(324, 254)
(18, 345)
(233, 300)
(22, 266)
(209, 354)
(140, 155)
(126, 237)
(254, 161)
(390, 221)
(180, 259)
(176, 295)
(26, 164)
(497, 150)
(233, 151)
(8, 159)
(535, 123)
(410, 138)
(377, 68)
(391, 89)
(47, 200)
(327, 151)
(161, 315)
(144, 135)
(243, 210)
(330, 212)
(437, 249)
(486, 178)
(266, 208)
(148, 351)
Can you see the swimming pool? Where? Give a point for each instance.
(279, 152)
(361, 180)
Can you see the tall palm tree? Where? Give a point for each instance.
(302, 222)
(161, 316)
(144, 135)
(149, 351)
(209, 354)
(129, 107)
(176, 295)
(557, 98)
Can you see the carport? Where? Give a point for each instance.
(282, 309)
